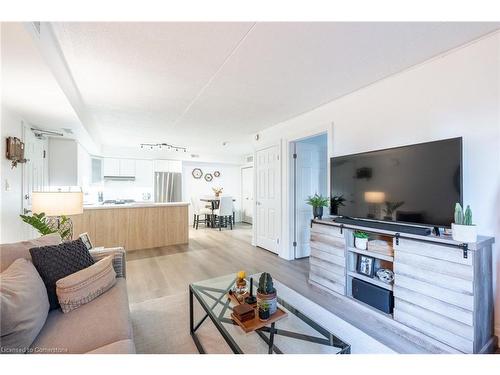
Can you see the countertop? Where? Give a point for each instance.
(133, 205)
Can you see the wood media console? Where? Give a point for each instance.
(442, 289)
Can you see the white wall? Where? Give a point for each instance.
(12, 229)
(456, 94)
(229, 180)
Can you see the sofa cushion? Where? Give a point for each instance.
(23, 306)
(119, 347)
(58, 261)
(11, 251)
(86, 285)
(103, 321)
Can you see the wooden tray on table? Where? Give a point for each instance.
(255, 323)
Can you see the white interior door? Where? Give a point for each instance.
(268, 198)
(247, 195)
(310, 178)
(35, 170)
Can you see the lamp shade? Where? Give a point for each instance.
(57, 203)
(374, 196)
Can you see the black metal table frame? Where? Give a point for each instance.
(333, 341)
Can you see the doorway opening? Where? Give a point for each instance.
(247, 194)
(309, 158)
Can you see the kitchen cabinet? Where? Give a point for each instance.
(68, 163)
(97, 171)
(127, 167)
(144, 173)
(119, 167)
(168, 166)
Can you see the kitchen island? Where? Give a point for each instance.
(134, 226)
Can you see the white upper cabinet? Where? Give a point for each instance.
(144, 173)
(118, 167)
(111, 167)
(127, 167)
(168, 166)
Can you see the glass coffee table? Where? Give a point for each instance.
(297, 333)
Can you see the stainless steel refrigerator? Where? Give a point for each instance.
(168, 187)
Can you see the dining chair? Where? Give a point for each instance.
(224, 213)
(198, 210)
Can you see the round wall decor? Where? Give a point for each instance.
(208, 177)
(197, 173)
(216, 174)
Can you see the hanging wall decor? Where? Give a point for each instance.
(197, 173)
(15, 151)
(208, 177)
(216, 174)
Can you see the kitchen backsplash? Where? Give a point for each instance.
(113, 190)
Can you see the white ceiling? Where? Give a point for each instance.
(199, 84)
(29, 87)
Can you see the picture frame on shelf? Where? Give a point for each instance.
(365, 265)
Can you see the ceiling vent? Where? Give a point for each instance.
(249, 159)
(194, 156)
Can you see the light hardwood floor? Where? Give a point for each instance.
(165, 271)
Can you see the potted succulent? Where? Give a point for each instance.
(336, 202)
(264, 313)
(462, 229)
(360, 240)
(317, 202)
(266, 294)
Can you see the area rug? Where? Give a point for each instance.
(161, 326)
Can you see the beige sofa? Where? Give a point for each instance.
(100, 326)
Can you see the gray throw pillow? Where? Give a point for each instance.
(58, 261)
(24, 306)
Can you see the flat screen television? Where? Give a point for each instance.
(417, 184)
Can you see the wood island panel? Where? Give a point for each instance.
(135, 227)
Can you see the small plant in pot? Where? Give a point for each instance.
(264, 313)
(462, 229)
(336, 202)
(360, 240)
(266, 294)
(317, 202)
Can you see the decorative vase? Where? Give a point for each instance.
(360, 243)
(318, 212)
(270, 299)
(335, 210)
(464, 233)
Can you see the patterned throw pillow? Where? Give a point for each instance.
(55, 262)
(83, 286)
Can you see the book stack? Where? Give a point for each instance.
(381, 246)
(244, 312)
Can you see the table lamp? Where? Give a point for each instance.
(57, 205)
